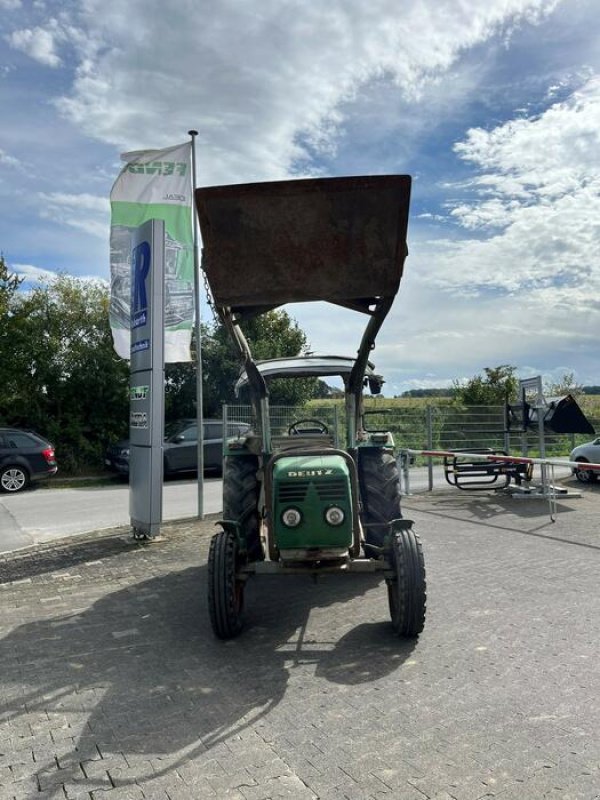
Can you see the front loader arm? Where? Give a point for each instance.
(259, 393)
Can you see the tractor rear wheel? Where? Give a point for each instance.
(407, 590)
(241, 496)
(380, 495)
(225, 592)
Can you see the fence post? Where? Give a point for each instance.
(402, 462)
(225, 426)
(429, 427)
(336, 437)
(542, 444)
(506, 428)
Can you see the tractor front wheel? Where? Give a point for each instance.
(407, 590)
(225, 591)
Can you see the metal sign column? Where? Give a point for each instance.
(535, 385)
(146, 387)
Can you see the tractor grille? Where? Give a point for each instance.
(293, 492)
(332, 490)
(328, 491)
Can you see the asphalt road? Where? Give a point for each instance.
(42, 514)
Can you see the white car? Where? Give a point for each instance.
(587, 453)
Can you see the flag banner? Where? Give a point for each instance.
(154, 184)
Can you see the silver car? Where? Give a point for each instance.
(588, 453)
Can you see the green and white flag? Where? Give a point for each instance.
(154, 184)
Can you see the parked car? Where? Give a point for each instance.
(586, 453)
(25, 456)
(180, 447)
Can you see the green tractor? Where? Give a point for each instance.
(297, 500)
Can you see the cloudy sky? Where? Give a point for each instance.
(493, 106)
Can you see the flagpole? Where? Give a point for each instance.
(197, 285)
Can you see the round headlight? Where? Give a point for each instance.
(334, 515)
(291, 517)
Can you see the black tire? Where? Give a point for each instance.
(380, 495)
(585, 475)
(241, 496)
(225, 593)
(13, 478)
(407, 591)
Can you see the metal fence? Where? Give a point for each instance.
(423, 427)
(282, 417)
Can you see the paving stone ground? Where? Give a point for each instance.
(113, 687)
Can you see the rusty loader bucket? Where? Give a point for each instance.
(342, 240)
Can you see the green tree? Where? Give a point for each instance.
(566, 385)
(66, 381)
(494, 387)
(272, 335)
(9, 285)
(60, 375)
(276, 335)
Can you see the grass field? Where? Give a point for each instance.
(589, 404)
(440, 423)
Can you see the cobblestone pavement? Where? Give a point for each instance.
(112, 685)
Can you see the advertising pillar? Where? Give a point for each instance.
(146, 385)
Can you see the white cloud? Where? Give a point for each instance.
(31, 274)
(43, 42)
(8, 160)
(542, 157)
(38, 43)
(539, 205)
(10, 5)
(85, 212)
(88, 202)
(426, 332)
(257, 83)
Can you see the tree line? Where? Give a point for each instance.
(60, 376)
(497, 385)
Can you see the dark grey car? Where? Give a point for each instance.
(180, 447)
(24, 457)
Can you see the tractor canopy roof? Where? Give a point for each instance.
(341, 240)
(311, 366)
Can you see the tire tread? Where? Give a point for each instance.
(380, 493)
(241, 494)
(226, 619)
(408, 591)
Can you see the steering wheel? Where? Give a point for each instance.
(295, 430)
